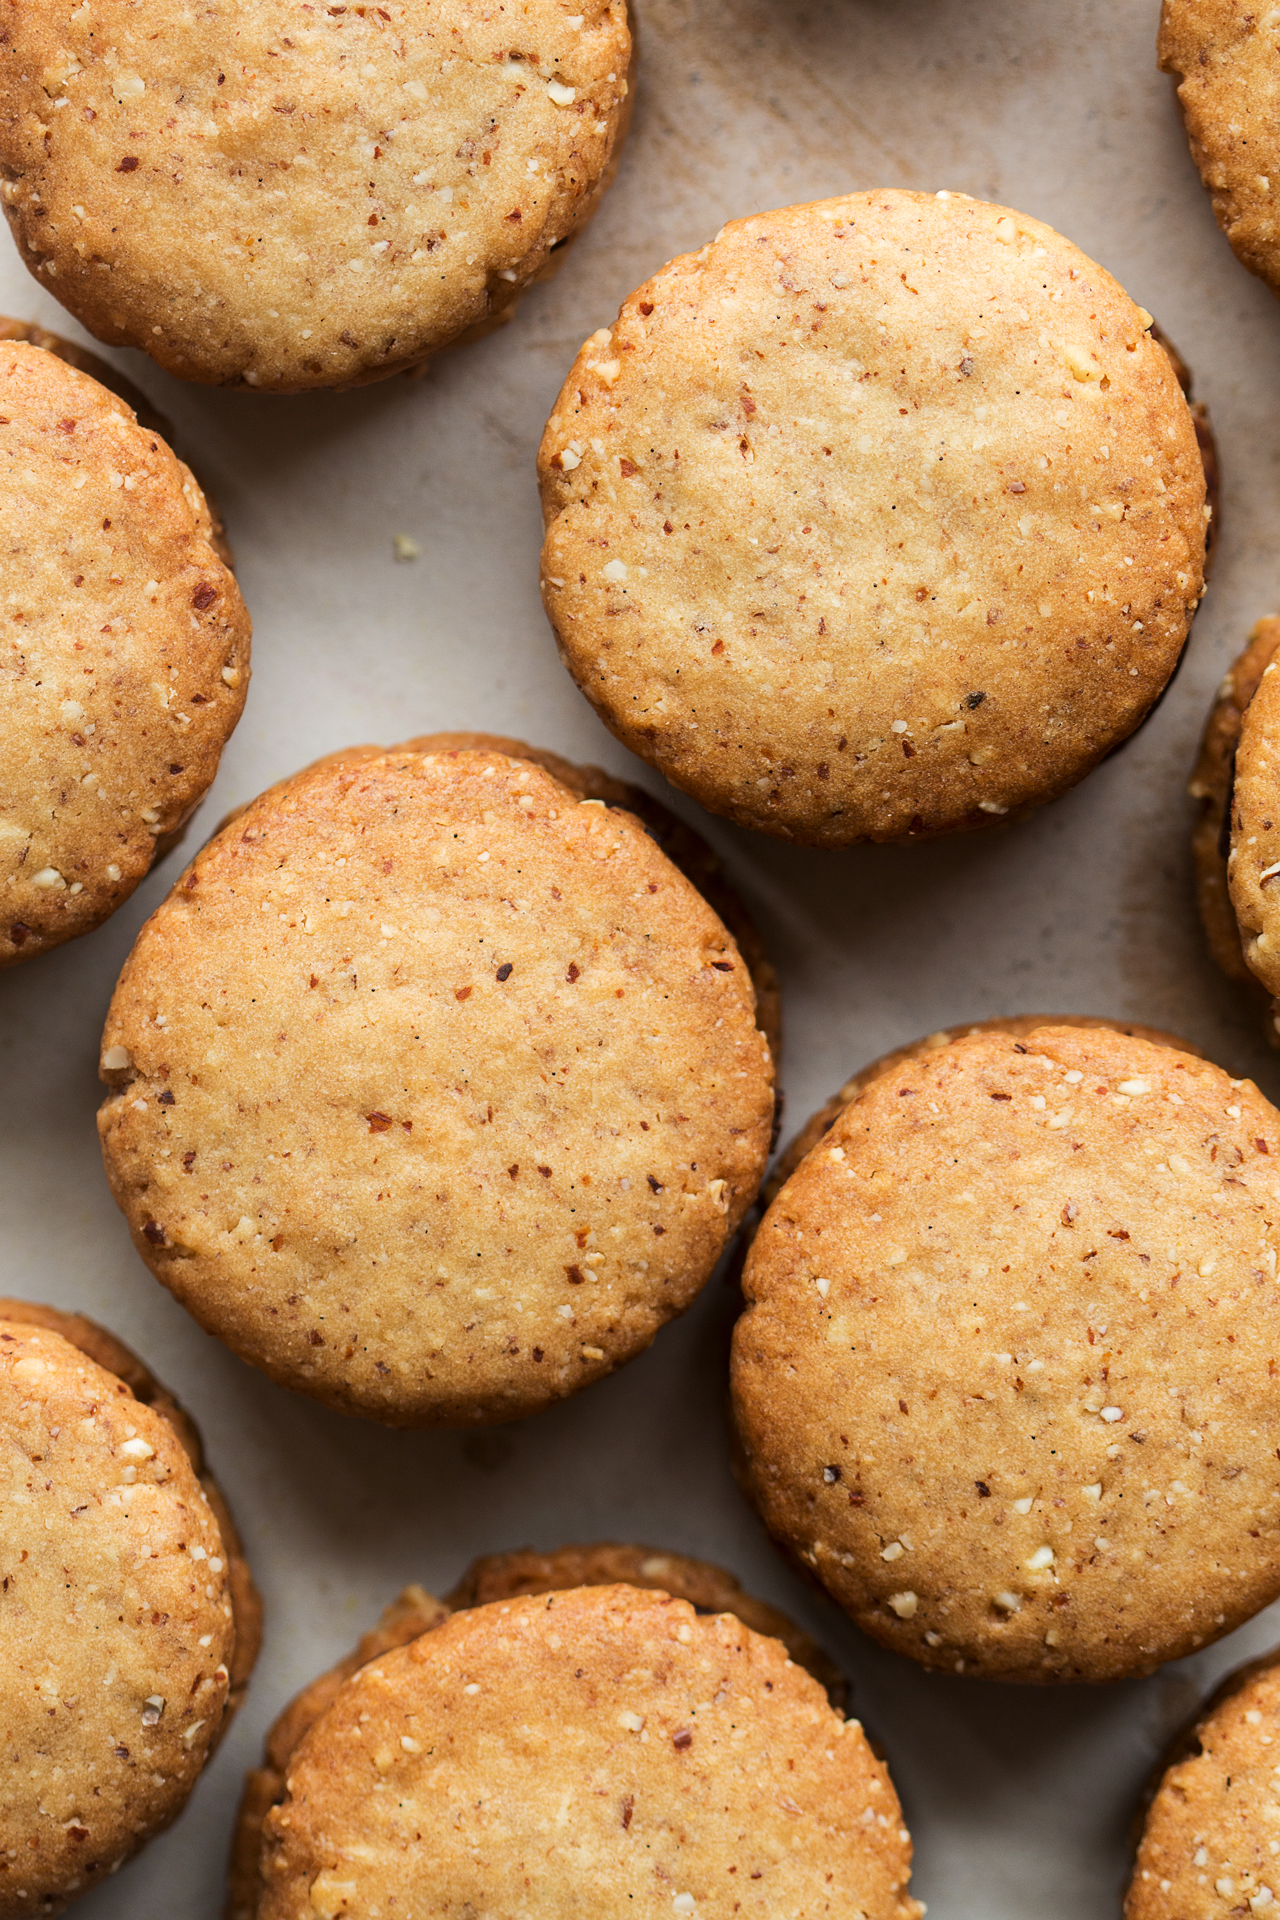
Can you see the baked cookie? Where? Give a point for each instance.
(1224, 59)
(285, 197)
(130, 1623)
(128, 650)
(1005, 1380)
(877, 518)
(436, 1088)
(705, 1770)
(1210, 1847)
(1235, 844)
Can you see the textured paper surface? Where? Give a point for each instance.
(1019, 1799)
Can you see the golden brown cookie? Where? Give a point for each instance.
(1252, 835)
(128, 649)
(706, 1772)
(1005, 1382)
(877, 518)
(1211, 784)
(285, 197)
(130, 1622)
(1223, 56)
(1210, 1847)
(437, 1089)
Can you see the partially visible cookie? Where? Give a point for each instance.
(284, 198)
(1211, 784)
(878, 518)
(436, 1088)
(130, 1623)
(706, 1771)
(1005, 1380)
(1223, 57)
(1253, 809)
(1210, 1845)
(128, 647)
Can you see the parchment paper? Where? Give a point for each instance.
(1019, 1799)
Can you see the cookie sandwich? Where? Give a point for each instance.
(706, 1770)
(129, 1622)
(127, 644)
(436, 1087)
(878, 518)
(282, 197)
(1004, 1380)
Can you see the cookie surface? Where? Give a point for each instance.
(1224, 59)
(496, 1577)
(438, 1089)
(705, 1773)
(128, 652)
(283, 197)
(1005, 1380)
(1253, 859)
(1209, 1845)
(130, 1624)
(878, 517)
(1212, 784)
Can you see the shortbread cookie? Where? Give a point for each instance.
(1211, 784)
(1017, 1026)
(877, 518)
(285, 197)
(1224, 59)
(130, 1623)
(1210, 1848)
(1004, 1383)
(128, 648)
(706, 1771)
(437, 1089)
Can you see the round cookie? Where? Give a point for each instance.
(130, 1623)
(128, 648)
(1250, 806)
(877, 518)
(705, 1771)
(1212, 785)
(1210, 1848)
(1224, 60)
(437, 1089)
(1005, 1382)
(286, 198)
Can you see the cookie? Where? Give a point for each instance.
(1224, 61)
(1005, 1381)
(647, 1755)
(130, 1620)
(878, 518)
(1211, 785)
(436, 1088)
(283, 198)
(128, 649)
(1209, 1848)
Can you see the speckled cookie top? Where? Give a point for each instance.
(1212, 784)
(1253, 862)
(438, 1089)
(1007, 1380)
(117, 1621)
(1224, 58)
(287, 196)
(1210, 1849)
(878, 517)
(126, 652)
(602, 1750)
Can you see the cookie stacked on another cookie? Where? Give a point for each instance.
(878, 518)
(1005, 1382)
(605, 1729)
(284, 197)
(437, 1088)
(129, 1624)
(126, 644)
